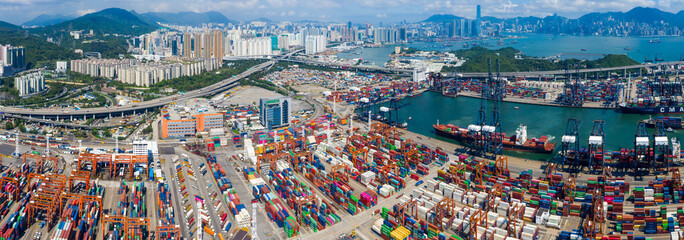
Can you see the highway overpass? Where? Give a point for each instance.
(103, 112)
(362, 68)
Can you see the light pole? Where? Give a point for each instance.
(48, 144)
(16, 143)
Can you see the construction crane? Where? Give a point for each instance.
(570, 146)
(597, 145)
(661, 149)
(642, 159)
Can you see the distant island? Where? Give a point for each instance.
(511, 60)
(639, 21)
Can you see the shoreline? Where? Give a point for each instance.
(532, 102)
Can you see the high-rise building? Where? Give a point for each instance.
(30, 83)
(61, 67)
(274, 112)
(477, 24)
(13, 56)
(315, 44)
(217, 50)
(252, 47)
(187, 45)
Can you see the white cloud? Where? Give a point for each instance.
(85, 11)
(383, 15)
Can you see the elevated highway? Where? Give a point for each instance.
(103, 112)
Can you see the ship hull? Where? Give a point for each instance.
(652, 110)
(506, 146)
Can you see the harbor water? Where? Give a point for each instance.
(543, 45)
(428, 108)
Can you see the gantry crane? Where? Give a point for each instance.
(481, 167)
(569, 188)
(661, 149)
(493, 131)
(573, 91)
(475, 220)
(444, 209)
(479, 145)
(642, 157)
(595, 219)
(597, 146)
(570, 148)
(513, 219)
(502, 166)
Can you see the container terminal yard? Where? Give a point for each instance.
(337, 175)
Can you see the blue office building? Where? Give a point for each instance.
(274, 112)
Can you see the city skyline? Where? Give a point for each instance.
(387, 11)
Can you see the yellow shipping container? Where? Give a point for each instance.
(400, 233)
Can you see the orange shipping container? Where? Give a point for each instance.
(208, 231)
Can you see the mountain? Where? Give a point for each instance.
(266, 20)
(111, 20)
(186, 18)
(5, 26)
(46, 20)
(442, 18)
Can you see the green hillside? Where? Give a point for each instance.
(107, 21)
(476, 61)
(38, 51)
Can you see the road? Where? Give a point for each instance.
(116, 110)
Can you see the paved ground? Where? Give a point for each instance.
(265, 228)
(250, 95)
(310, 89)
(6, 149)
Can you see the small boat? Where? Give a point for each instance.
(669, 129)
(516, 107)
(628, 48)
(410, 118)
(654, 41)
(583, 49)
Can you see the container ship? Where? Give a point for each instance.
(518, 142)
(653, 105)
(668, 122)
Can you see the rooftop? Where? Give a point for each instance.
(183, 110)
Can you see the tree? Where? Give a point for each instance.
(107, 133)
(22, 128)
(148, 129)
(9, 126)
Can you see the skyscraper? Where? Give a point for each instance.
(477, 24)
(187, 45)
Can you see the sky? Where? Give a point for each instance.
(387, 11)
